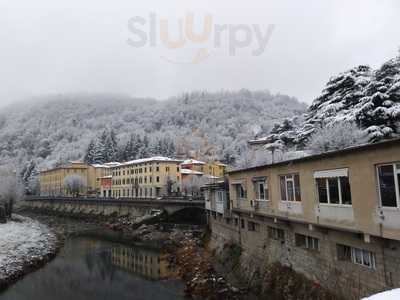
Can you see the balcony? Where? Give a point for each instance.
(291, 207)
(243, 203)
(339, 215)
(220, 207)
(261, 205)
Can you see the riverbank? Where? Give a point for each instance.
(25, 245)
(184, 245)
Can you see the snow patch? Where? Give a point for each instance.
(22, 241)
(388, 295)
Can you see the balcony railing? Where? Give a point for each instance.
(261, 204)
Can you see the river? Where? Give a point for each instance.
(89, 268)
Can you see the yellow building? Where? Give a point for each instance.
(212, 169)
(52, 181)
(146, 178)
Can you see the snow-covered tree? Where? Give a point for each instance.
(10, 188)
(336, 137)
(90, 153)
(368, 98)
(30, 178)
(192, 185)
(75, 184)
(208, 123)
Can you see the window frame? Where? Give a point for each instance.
(353, 257)
(276, 234)
(257, 184)
(293, 181)
(309, 242)
(219, 196)
(239, 189)
(396, 174)
(328, 192)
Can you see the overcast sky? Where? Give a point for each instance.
(66, 46)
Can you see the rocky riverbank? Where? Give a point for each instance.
(25, 245)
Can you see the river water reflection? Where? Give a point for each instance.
(89, 268)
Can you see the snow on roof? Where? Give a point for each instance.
(212, 177)
(193, 162)
(151, 159)
(190, 172)
(76, 162)
(107, 165)
(388, 295)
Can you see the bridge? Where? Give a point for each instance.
(134, 207)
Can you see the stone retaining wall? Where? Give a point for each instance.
(349, 280)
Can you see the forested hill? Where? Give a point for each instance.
(59, 128)
(367, 98)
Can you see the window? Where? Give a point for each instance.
(158, 179)
(389, 185)
(261, 190)
(220, 196)
(307, 242)
(276, 233)
(240, 191)
(157, 169)
(333, 190)
(252, 226)
(242, 223)
(290, 187)
(166, 169)
(356, 255)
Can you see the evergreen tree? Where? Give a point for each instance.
(110, 148)
(30, 178)
(89, 153)
(379, 110)
(143, 150)
(127, 153)
(99, 150)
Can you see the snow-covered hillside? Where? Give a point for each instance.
(60, 128)
(369, 98)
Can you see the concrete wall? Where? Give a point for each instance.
(353, 281)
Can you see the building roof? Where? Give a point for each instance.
(151, 159)
(190, 172)
(70, 165)
(193, 162)
(328, 154)
(107, 165)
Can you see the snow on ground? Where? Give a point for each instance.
(388, 295)
(23, 240)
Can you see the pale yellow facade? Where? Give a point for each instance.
(52, 181)
(359, 168)
(211, 169)
(146, 178)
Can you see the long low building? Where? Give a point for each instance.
(334, 217)
(53, 182)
